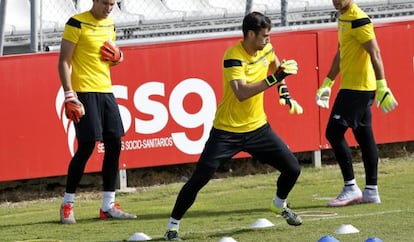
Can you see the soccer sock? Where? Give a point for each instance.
(350, 183)
(108, 200)
(279, 203)
(173, 224)
(371, 187)
(69, 198)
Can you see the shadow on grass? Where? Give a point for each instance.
(156, 216)
(224, 212)
(50, 222)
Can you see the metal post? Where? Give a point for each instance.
(34, 14)
(3, 4)
(316, 159)
(123, 181)
(249, 6)
(283, 12)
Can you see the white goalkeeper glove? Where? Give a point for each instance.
(324, 93)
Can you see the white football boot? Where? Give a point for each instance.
(349, 195)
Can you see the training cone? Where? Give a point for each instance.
(328, 238)
(261, 223)
(139, 237)
(346, 229)
(227, 239)
(373, 239)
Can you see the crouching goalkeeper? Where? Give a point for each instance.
(86, 55)
(240, 122)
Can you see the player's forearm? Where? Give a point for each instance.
(334, 70)
(64, 75)
(378, 66)
(244, 90)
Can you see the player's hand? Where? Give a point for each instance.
(111, 52)
(384, 97)
(74, 109)
(286, 68)
(324, 93)
(285, 98)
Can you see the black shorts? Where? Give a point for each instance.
(102, 119)
(263, 144)
(353, 108)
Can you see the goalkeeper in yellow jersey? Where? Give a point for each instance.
(358, 59)
(240, 122)
(86, 54)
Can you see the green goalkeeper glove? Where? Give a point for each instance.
(384, 97)
(284, 98)
(324, 93)
(286, 68)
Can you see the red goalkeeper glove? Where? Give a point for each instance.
(111, 52)
(74, 109)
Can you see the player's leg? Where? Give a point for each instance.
(366, 141)
(86, 134)
(74, 176)
(267, 147)
(350, 194)
(77, 165)
(335, 133)
(110, 163)
(112, 133)
(219, 147)
(351, 109)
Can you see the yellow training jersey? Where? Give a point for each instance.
(354, 29)
(248, 115)
(89, 72)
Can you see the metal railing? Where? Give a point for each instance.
(45, 33)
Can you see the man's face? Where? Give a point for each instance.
(341, 5)
(102, 8)
(261, 39)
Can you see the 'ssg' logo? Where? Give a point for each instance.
(159, 112)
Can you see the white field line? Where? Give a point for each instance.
(363, 214)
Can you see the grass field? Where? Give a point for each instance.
(227, 207)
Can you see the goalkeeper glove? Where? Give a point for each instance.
(110, 52)
(324, 93)
(284, 98)
(286, 68)
(384, 97)
(74, 109)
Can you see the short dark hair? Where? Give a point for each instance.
(255, 21)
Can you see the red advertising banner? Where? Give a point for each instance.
(167, 95)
